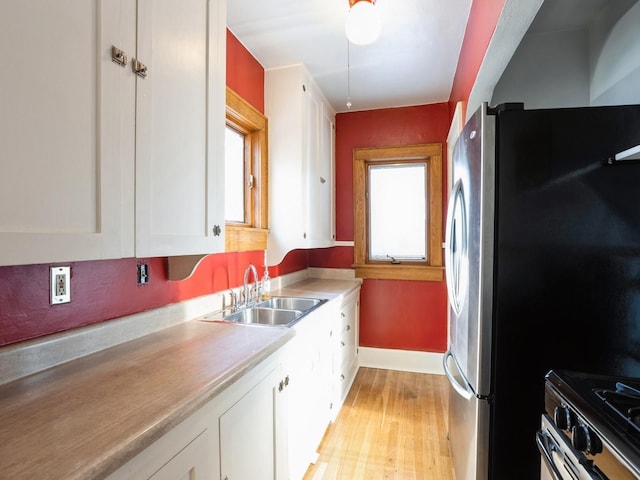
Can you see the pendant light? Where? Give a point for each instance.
(363, 22)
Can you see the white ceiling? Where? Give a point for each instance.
(412, 63)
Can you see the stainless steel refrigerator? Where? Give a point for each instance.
(543, 271)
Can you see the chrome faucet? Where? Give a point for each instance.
(246, 290)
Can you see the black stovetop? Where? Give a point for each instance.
(611, 404)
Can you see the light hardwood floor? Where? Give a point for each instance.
(391, 426)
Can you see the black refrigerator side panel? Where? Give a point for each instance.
(567, 264)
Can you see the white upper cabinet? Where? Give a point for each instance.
(301, 166)
(66, 131)
(97, 162)
(180, 127)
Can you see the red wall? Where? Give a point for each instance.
(406, 315)
(245, 75)
(482, 22)
(107, 289)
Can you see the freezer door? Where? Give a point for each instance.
(468, 435)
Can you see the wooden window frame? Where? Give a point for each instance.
(432, 269)
(246, 119)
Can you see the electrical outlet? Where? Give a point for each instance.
(60, 285)
(143, 274)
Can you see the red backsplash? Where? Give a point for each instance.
(107, 289)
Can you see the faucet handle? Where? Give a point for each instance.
(233, 300)
(254, 293)
(240, 296)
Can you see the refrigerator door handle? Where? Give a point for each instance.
(464, 391)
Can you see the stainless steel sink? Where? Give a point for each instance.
(291, 303)
(264, 316)
(276, 311)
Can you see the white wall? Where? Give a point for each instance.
(615, 59)
(598, 64)
(547, 70)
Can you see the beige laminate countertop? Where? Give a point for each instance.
(84, 419)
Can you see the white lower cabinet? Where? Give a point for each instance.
(188, 451)
(345, 353)
(193, 462)
(321, 362)
(269, 424)
(239, 435)
(308, 394)
(251, 431)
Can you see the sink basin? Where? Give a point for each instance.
(276, 311)
(264, 316)
(291, 303)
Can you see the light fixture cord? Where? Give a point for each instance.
(348, 76)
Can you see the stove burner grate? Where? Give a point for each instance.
(624, 401)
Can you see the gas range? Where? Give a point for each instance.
(591, 427)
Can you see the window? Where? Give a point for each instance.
(235, 185)
(398, 212)
(246, 176)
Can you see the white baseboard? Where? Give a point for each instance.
(402, 360)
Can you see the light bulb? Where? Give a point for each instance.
(363, 23)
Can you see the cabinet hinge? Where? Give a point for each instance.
(251, 181)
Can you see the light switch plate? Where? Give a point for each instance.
(60, 284)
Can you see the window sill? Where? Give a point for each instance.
(400, 272)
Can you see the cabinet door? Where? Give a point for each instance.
(310, 166)
(346, 350)
(326, 178)
(194, 462)
(180, 127)
(251, 433)
(309, 392)
(66, 131)
(318, 169)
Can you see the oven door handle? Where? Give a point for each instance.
(547, 445)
